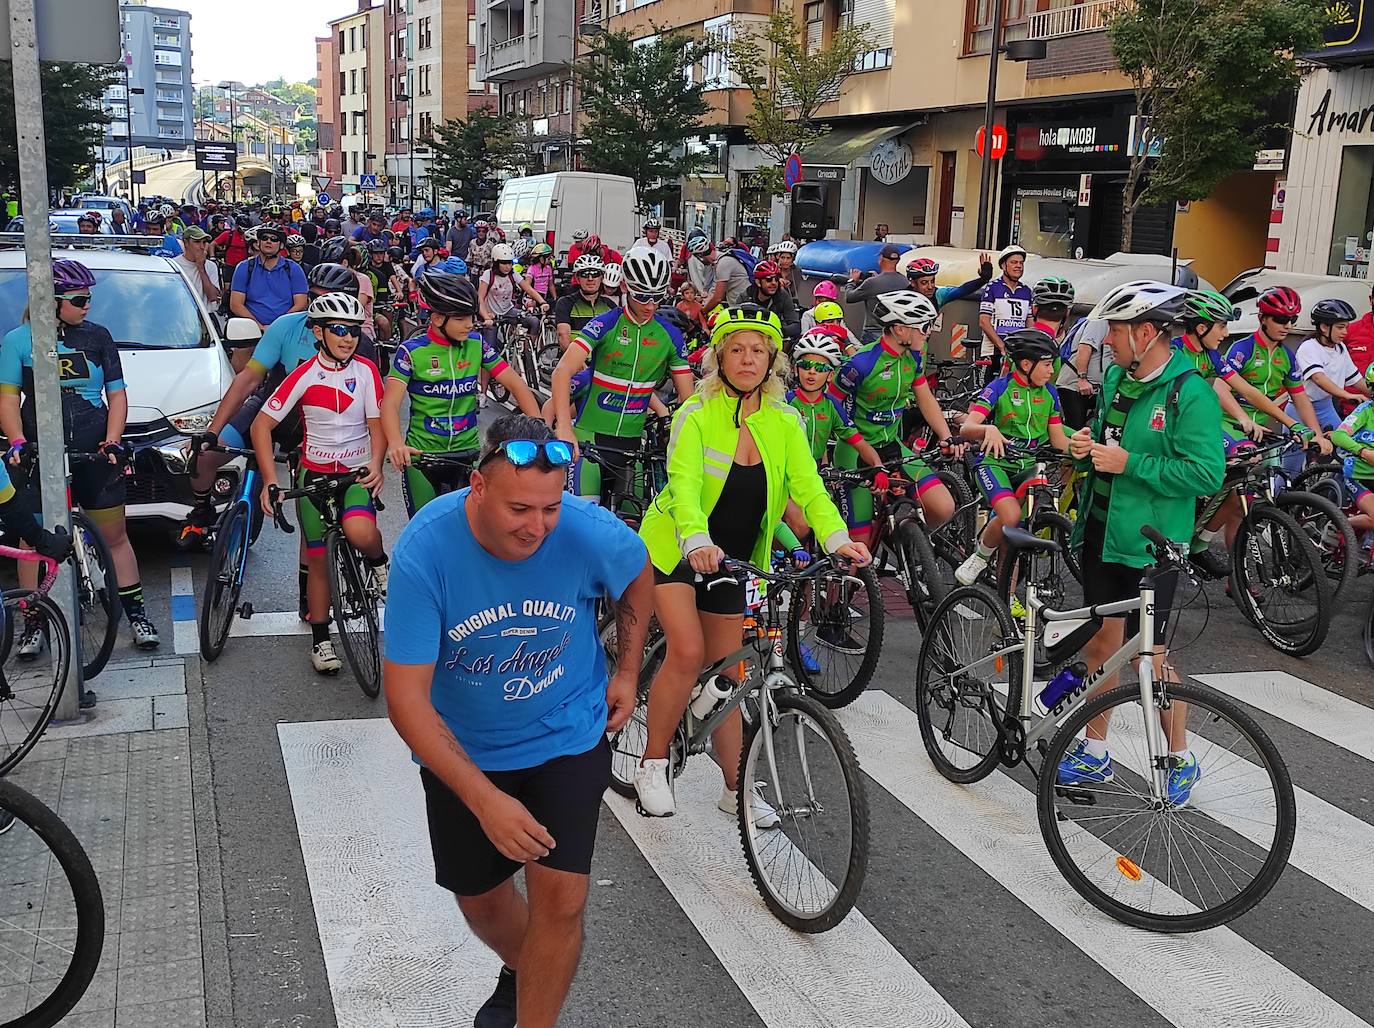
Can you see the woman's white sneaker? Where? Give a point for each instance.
(967, 573)
(764, 814)
(654, 791)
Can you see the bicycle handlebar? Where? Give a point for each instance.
(276, 495)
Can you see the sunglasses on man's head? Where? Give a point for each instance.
(77, 299)
(339, 331)
(555, 453)
(805, 365)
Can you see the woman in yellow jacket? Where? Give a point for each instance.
(736, 454)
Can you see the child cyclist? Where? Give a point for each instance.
(1022, 409)
(340, 399)
(1355, 436)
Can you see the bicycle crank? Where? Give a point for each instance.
(245, 610)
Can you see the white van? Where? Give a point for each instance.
(558, 204)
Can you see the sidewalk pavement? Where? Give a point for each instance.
(123, 782)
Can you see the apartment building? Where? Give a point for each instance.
(330, 152)
(154, 102)
(360, 87)
(396, 122)
(524, 49)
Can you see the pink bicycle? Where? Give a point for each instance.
(30, 685)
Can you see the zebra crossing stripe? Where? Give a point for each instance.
(1317, 711)
(1213, 979)
(866, 981)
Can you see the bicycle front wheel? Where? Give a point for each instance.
(1195, 857)
(53, 943)
(549, 355)
(1329, 529)
(627, 745)
(805, 828)
(224, 581)
(355, 613)
(1279, 583)
(835, 634)
(922, 580)
(97, 595)
(30, 684)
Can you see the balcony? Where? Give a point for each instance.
(538, 48)
(173, 24)
(505, 55)
(1092, 16)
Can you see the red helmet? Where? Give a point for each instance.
(836, 330)
(765, 269)
(592, 243)
(1280, 302)
(921, 267)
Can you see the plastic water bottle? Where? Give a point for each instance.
(1065, 682)
(707, 696)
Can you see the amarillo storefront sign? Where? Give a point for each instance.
(1323, 119)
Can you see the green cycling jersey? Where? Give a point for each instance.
(441, 379)
(628, 363)
(876, 385)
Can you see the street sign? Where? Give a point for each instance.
(139, 178)
(382, 180)
(1085, 190)
(999, 141)
(324, 199)
(96, 42)
(212, 155)
(792, 170)
(367, 183)
(322, 182)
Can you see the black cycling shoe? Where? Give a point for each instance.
(1211, 563)
(195, 530)
(499, 1010)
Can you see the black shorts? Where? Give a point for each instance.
(563, 795)
(96, 484)
(1105, 582)
(725, 597)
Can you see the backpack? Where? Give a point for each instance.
(746, 258)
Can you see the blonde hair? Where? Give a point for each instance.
(774, 388)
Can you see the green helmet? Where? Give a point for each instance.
(1369, 376)
(1207, 305)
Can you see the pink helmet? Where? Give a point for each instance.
(826, 290)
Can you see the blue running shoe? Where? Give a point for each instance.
(1181, 780)
(1079, 767)
(808, 659)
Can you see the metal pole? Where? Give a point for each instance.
(233, 141)
(129, 132)
(47, 398)
(410, 131)
(985, 187)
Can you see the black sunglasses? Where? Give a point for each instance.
(1284, 319)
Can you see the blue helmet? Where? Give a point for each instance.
(454, 266)
(428, 212)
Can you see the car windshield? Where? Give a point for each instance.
(142, 309)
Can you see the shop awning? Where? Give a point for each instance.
(843, 146)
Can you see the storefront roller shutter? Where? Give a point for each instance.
(877, 17)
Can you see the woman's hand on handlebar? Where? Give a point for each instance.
(265, 497)
(857, 552)
(401, 455)
(705, 560)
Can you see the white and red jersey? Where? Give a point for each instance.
(335, 406)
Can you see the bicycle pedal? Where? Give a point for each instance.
(245, 610)
(1075, 796)
(644, 813)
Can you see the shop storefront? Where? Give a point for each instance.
(1063, 181)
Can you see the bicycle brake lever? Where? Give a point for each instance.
(273, 492)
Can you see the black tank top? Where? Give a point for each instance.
(737, 517)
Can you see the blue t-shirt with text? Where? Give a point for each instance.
(520, 675)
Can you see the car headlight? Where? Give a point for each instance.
(193, 421)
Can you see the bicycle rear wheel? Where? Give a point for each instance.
(835, 634)
(549, 355)
(963, 694)
(1057, 576)
(1329, 529)
(97, 595)
(1278, 581)
(223, 582)
(30, 687)
(920, 575)
(52, 929)
(627, 745)
(1182, 866)
(810, 865)
(355, 613)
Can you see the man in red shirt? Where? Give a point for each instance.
(1359, 339)
(593, 244)
(230, 244)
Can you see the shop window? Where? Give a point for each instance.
(1352, 233)
(1042, 219)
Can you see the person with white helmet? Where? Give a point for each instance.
(784, 254)
(1151, 450)
(816, 356)
(631, 350)
(653, 238)
(1006, 307)
(701, 265)
(496, 295)
(877, 383)
(343, 442)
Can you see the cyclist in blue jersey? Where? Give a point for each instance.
(1005, 307)
(921, 274)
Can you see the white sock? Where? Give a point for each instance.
(1185, 756)
(1097, 747)
(984, 550)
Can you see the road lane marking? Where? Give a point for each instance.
(1316, 711)
(185, 634)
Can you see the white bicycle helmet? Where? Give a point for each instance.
(784, 246)
(1011, 251)
(336, 307)
(819, 344)
(699, 246)
(522, 249)
(502, 252)
(612, 275)
(905, 307)
(250, 235)
(647, 271)
(1142, 301)
(167, 211)
(579, 235)
(588, 262)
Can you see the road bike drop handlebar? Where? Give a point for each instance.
(277, 496)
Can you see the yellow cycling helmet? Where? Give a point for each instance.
(828, 310)
(749, 317)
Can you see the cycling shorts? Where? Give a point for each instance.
(97, 487)
(1357, 490)
(1106, 582)
(357, 503)
(998, 480)
(420, 485)
(725, 597)
(857, 503)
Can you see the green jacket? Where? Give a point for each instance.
(1176, 456)
(701, 451)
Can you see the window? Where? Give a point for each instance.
(353, 81)
(567, 97)
(472, 30)
(978, 22)
(352, 39)
(474, 86)
(363, 35)
(401, 51)
(424, 80)
(423, 36)
(715, 69)
(341, 40)
(426, 125)
(878, 16)
(815, 26)
(343, 82)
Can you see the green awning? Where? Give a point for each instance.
(842, 145)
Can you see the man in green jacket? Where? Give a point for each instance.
(1152, 448)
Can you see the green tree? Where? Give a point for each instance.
(789, 84)
(467, 150)
(73, 121)
(302, 94)
(641, 110)
(1204, 72)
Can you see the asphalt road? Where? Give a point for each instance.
(332, 920)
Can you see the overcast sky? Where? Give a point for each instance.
(257, 40)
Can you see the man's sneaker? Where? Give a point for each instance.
(379, 574)
(809, 663)
(1211, 563)
(1079, 767)
(652, 787)
(1182, 778)
(499, 1009)
(967, 573)
(764, 814)
(31, 643)
(145, 634)
(1017, 608)
(6, 820)
(324, 659)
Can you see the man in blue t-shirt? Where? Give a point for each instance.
(269, 285)
(1006, 307)
(496, 679)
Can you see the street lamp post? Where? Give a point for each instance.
(1018, 50)
(228, 87)
(405, 98)
(129, 93)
